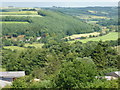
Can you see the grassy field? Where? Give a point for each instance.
(110, 36)
(14, 48)
(82, 16)
(2, 69)
(13, 22)
(92, 22)
(20, 13)
(36, 45)
(83, 35)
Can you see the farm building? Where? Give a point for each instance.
(38, 38)
(114, 74)
(8, 77)
(110, 76)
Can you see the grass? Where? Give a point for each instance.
(92, 22)
(20, 13)
(117, 48)
(82, 16)
(36, 45)
(2, 69)
(14, 48)
(110, 36)
(13, 22)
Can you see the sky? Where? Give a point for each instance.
(59, 0)
(59, 3)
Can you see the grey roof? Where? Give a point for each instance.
(12, 74)
(115, 74)
(4, 83)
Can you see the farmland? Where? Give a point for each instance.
(53, 47)
(14, 48)
(82, 16)
(14, 22)
(83, 35)
(36, 45)
(20, 13)
(110, 36)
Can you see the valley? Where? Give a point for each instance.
(59, 47)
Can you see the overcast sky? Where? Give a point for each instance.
(59, 0)
(59, 3)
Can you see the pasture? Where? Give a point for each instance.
(2, 69)
(82, 16)
(14, 22)
(110, 36)
(17, 48)
(36, 45)
(14, 48)
(92, 22)
(20, 13)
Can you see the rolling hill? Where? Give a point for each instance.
(51, 24)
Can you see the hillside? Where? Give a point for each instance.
(98, 11)
(49, 24)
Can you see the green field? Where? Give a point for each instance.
(83, 16)
(92, 22)
(14, 48)
(20, 13)
(2, 69)
(13, 22)
(110, 36)
(36, 45)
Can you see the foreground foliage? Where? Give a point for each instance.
(63, 65)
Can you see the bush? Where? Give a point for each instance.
(76, 74)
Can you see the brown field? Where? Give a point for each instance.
(83, 35)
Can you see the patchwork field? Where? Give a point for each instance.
(13, 22)
(83, 35)
(82, 16)
(36, 45)
(110, 36)
(92, 22)
(20, 13)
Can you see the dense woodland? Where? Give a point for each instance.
(64, 65)
(100, 11)
(59, 63)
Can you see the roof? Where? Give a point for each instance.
(115, 74)
(4, 83)
(12, 74)
(21, 36)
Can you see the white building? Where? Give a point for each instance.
(7, 77)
